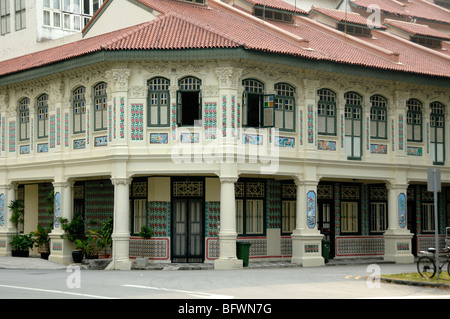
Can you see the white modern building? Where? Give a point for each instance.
(29, 26)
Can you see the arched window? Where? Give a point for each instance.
(189, 106)
(42, 112)
(79, 110)
(414, 120)
(24, 117)
(326, 112)
(257, 108)
(437, 133)
(100, 107)
(378, 117)
(285, 107)
(158, 102)
(353, 125)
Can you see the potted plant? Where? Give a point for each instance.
(106, 236)
(90, 246)
(74, 232)
(16, 207)
(146, 233)
(41, 235)
(42, 241)
(21, 245)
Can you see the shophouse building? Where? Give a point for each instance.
(213, 125)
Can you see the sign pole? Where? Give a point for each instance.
(434, 182)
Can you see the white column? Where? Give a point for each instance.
(121, 234)
(227, 234)
(60, 247)
(7, 229)
(397, 237)
(306, 238)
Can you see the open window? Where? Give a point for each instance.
(189, 106)
(258, 108)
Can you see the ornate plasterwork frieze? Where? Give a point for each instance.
(229, 77)
(118, 79)
(137, 92)
(4, 101)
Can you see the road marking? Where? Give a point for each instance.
(413, 297)
(192, 293)
(56, 292)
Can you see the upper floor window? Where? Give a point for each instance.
(326, 112)
(52, 13)
(437, 133)
(158, 102)
(378, 117)
(100, 107)
(5, 17)
(189, 106)
(20, 17)
(414, 120)
(258, 108)
(79, 110)
(353, 125)
(285, 107)
(42, 112)
(24, 114)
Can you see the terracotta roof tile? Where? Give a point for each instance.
(421, 9)
(342, 16)
(277, 4)
(416, 29)
(217, 25)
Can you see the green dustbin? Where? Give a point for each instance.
(243, 251)
(326, 250)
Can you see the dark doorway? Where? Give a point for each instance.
(187, 230)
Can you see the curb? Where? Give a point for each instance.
(415, 283)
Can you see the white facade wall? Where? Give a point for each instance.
(63, 158)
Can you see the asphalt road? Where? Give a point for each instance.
(330, 282)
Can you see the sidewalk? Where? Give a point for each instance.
(28, 263)
(38, 263)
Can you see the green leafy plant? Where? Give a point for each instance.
(90, 246)
(22, 242)
(74, 229)
(106, 232)
(146, 232)
(41, 235)
(16, 207)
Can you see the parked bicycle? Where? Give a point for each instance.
(426, 265)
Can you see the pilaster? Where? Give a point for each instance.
(306, 238)
(121, 233)
(399, 116)
(118, 83)
(60, 247)
(7, 229)
(397, 238)
(309, 117)
(227, 234)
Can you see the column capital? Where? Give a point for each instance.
(392, 185)
(228, 179)
(121, 180)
